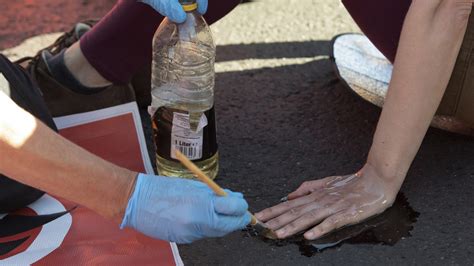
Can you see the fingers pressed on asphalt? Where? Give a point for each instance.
(304, 222)
(295, 213)
(308, 187)
(332, 223)
(281, 208)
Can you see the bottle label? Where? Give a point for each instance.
(184, 139)
(172, 131)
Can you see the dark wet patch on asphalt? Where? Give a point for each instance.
(388, 228)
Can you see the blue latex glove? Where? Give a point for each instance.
(173, 10)
(183, 211)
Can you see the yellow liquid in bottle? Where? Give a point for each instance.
(171, 168)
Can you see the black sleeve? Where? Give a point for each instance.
(25, 93)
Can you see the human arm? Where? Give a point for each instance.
(35, 155)
(430, 42)
(166, 208)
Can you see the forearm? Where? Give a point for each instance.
(430, 42)
(33, 154)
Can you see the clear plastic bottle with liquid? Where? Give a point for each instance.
(183, 94)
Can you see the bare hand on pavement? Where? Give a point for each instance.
(331, 203)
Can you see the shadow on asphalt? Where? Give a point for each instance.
(272, 50)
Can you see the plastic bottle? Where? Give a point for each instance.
(183, 94)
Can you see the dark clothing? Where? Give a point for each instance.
(458, 100)
(381, 21)
(24, 92)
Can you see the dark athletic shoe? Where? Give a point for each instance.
(62, 100)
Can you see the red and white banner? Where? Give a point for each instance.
(53, 231)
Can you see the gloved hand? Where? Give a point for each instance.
(173, 9)
(183, 211)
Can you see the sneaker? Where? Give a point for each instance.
(365, 71)
(62, 100)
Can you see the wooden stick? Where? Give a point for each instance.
(204, 178)
(200, 174)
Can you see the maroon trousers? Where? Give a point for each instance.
(120, 44)
(381, 21)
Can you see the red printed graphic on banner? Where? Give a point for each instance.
(54, 231)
